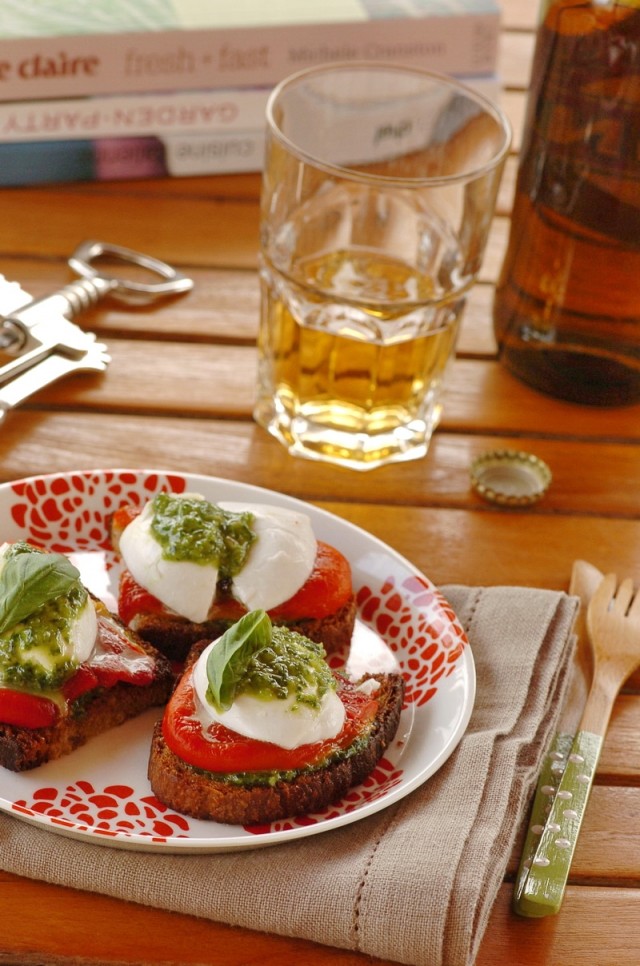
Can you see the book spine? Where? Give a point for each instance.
(172, 154)
(154, 115)
(216, 153)
(117, 159)
(52, 67)
(82, 118)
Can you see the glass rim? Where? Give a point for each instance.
(356, 174)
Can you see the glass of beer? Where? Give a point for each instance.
(378, 192)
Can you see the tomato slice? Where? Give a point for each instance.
(27, 710)
(326, 590)
(123, 516)
(134, 599)
(218, 749)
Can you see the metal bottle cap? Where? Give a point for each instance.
(510, 477)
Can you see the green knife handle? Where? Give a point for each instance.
(549, 871)
(550, 774)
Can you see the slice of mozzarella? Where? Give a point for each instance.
(83, 634)
(276, 720)
(281, 559)
(187, 588)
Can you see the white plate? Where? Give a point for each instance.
(100, 792)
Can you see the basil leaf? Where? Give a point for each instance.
(228, 660)
(28, 580)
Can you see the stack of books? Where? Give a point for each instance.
(153, 88)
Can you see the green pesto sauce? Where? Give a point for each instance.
(290, 665)
(44, 633)
(250, 779)
(201, 532)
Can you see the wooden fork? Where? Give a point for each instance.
(613, 625)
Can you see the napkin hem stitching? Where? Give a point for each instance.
(472, 608)
(357, 906)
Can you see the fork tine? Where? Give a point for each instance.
(634, 610)
(623, 596)
(603, 595)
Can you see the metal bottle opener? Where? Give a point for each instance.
(40, 333)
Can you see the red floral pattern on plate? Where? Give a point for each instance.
(117, 810)
(420, 627)
(113, 810)
(61, 512)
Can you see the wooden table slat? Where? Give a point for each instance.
(244, 451)
(201, 379)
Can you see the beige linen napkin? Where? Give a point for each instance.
(414, 883)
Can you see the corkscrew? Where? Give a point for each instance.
(41, 334)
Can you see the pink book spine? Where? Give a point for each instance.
(44, 67)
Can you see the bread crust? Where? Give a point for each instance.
(174, 635)
(94, 712)
(204, 796)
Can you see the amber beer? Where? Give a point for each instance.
(347, 387)
(567, 307)
(378, 190)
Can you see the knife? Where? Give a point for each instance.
(584, 580)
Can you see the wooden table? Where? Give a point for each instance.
(178, 394)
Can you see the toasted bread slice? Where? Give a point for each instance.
(92, 713)
(264, 798)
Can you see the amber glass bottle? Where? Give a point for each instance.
(567, 306)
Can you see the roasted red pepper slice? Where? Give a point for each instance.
(26, 710)
(134, 599)
(326, 590)
(79, 683)
(116, 658)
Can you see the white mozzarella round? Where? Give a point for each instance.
(276, 720)
(84, 631)
(3, 552)
(280, 560)
(187, 588)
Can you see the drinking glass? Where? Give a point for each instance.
(378, 192)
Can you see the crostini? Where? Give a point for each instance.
(69, 669)
(191, 568)
(259, 728)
